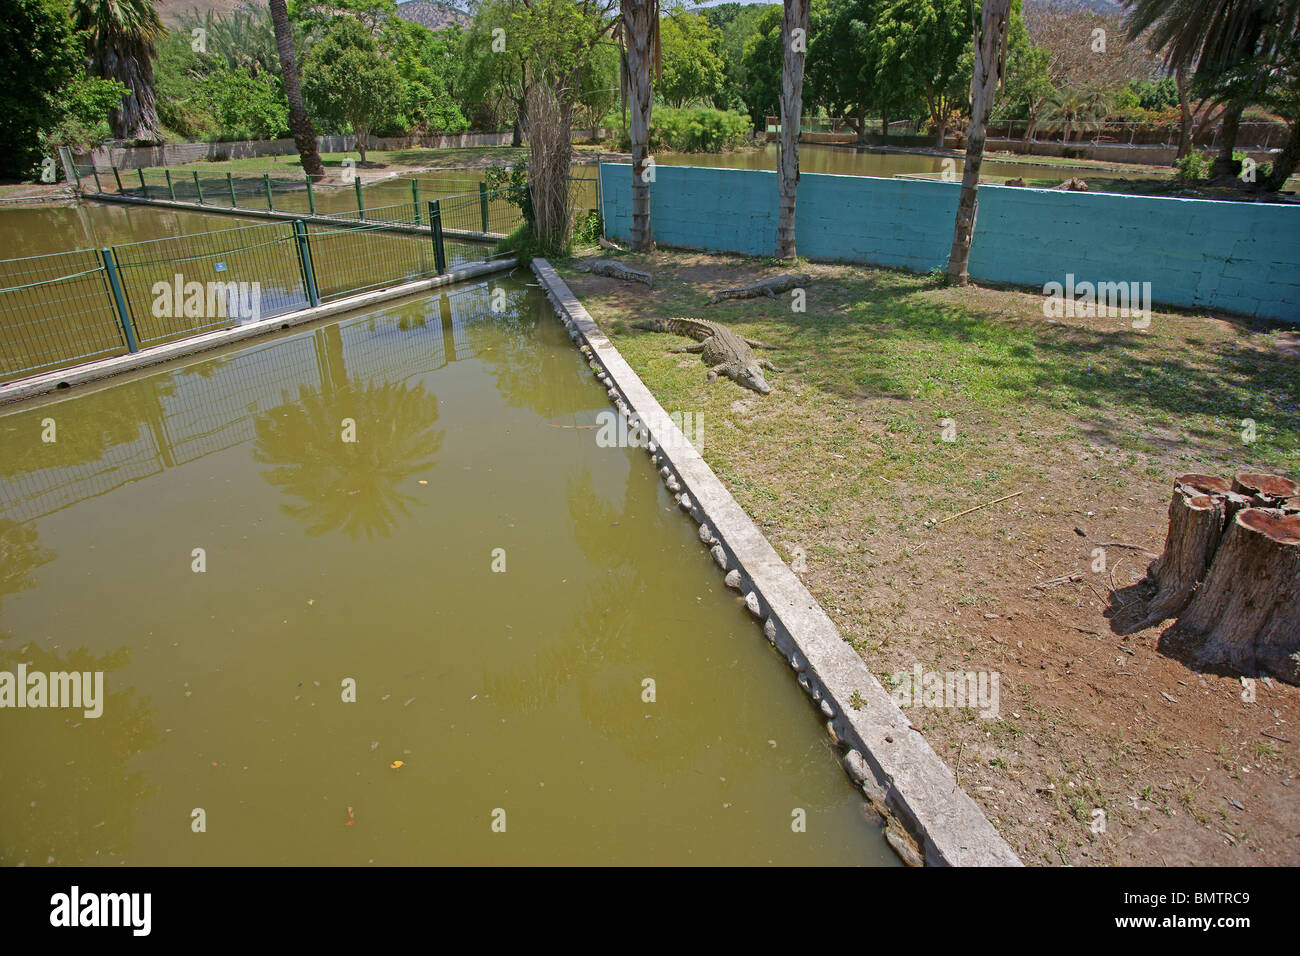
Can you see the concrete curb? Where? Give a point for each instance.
(289, 216)
(104, 368)
(889, 760)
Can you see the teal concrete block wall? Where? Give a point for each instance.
(1238, 257)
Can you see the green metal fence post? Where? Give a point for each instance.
(171, 187)
(76, 173)
(197, 188)
(304, 260)
(143, 188)
(435, 230)
(415, 199)
(270, 200)
(123, 314)
(119, 181)
(311, 196)
(98, 187)
(483, 206)
(361, 205)
(230, 184)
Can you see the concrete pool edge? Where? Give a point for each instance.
(87, 372)
(883, 755)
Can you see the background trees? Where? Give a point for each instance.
(346, 80)
(692, 67)
(121, 38)
(46, 101)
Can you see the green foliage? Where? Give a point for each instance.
(1193, 167)
(39, 54)
(523, 243)
(1156, 95)
(1028, 84)
(1075, 111)
(426, 63)
(692, 68)
(924, 47)
(512, 182)
(82, 107)
(735, 23)
(762, 61)
(346, 80)
(696, 129)
(589, 229)
(244, 106)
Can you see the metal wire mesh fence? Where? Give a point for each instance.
(70, 285)
(478, 209)
(58, 310)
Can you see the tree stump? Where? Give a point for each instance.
(1246, 613)
(1195, 525)
(1268, 489)
(1230, 573)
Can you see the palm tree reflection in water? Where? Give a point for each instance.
(349, 486)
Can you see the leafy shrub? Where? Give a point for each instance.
(82, 105)
(513, 182)
(522, 242)
(1193, 167)
(588, 230)
(695, 130)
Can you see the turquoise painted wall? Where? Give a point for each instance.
(1238, 257)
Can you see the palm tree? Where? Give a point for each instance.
(304, 135)
(120, 45)
(640, 34)
(1072, 111)
(1219, 39)
(794, 40)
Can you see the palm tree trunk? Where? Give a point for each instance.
(1224, 164)
(990, 57)
(304, 135)
(794, 37)
(137, 116)
(640, 21)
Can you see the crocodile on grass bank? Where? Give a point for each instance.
(614, 270)
(768, 287)
(725, 352)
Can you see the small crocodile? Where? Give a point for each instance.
(769, 287)
(724, 351)
(615, 270)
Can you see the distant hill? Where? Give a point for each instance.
(1111, 8)
(171, 11)
(430, 13)
(434, 15)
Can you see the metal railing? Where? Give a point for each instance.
(61, 309)
(392, 200)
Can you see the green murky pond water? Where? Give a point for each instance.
(513, 697)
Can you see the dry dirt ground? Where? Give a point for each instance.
(845, 468)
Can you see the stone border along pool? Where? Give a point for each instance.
(902, 778)
(104, 368)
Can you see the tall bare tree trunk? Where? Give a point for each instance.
(990, 58)
(794, 40)
(1185, 111)
(640, 31)
(304, 135)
